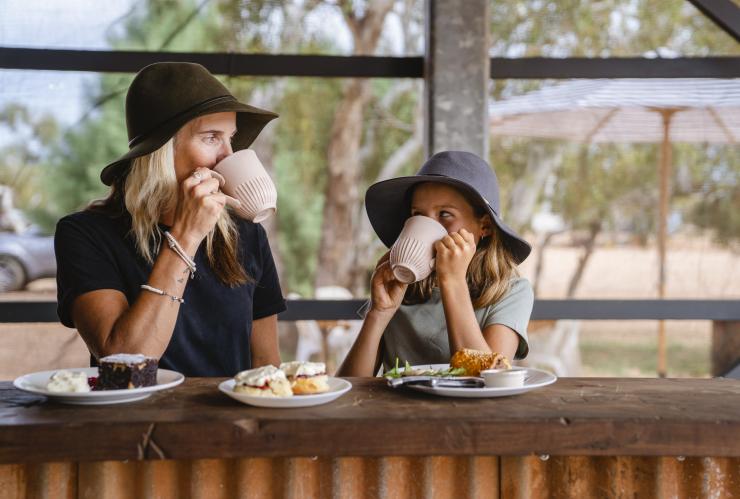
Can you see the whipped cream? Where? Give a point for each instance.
(259, 376)
(300, 368)
(68, 381)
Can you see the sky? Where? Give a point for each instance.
(53, 24)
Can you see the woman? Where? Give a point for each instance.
(161, 267)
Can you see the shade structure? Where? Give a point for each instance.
(630, 110)
(624, 110)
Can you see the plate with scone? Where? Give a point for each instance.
(293, 384)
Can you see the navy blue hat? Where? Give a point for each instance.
(387, 202)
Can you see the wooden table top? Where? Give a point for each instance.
(575, 416)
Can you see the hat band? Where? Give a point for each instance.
(141, 136)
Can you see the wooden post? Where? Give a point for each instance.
(725, 346)
(456, 76)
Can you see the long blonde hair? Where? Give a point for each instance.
(149, 190)
(489, 274)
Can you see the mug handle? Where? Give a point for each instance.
(233, 202)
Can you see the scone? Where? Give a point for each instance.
(475, 361)
(306, 377)
(266, 381)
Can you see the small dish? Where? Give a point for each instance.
(504, 378)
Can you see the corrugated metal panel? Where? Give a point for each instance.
(387, 478)
(43, 481)
(577, 477)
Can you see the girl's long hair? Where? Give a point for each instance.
(489, 274)
(150, 189)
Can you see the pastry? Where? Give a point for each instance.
(266, 381)
(306, 377)
(475, 361)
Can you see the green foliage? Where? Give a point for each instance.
(21, 166)
(713, 201)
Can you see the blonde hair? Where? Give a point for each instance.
(149, 190)
(489, 274)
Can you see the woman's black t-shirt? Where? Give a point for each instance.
(214, 325)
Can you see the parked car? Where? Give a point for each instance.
(25, 257)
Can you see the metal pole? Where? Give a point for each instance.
(665, 175)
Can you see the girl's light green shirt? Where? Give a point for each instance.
(418, 333)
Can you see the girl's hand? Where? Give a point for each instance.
(386, 293)
(454, 253)
(199, 205)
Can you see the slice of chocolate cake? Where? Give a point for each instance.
(123, 370)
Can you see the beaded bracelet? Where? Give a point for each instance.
(161, 292)
(175, 246)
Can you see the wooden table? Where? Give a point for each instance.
(581, 437)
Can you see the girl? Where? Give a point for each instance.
(473, 299)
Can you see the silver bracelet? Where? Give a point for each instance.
(175, 246)
(161, 292)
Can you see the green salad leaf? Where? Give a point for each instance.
(407, 370)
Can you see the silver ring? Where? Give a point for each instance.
(197, 175)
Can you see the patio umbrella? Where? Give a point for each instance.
(629, 110)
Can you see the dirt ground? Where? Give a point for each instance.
(696, 269)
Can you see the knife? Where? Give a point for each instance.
(437, 382)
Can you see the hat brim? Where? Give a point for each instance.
(250, 121)
(388, 206)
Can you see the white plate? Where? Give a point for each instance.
(337, 388)
(36, 383)
(534, 379)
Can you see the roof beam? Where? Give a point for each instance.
(112, 61)
(723, 13)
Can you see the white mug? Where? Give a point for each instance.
(247, 180)
(412, 255)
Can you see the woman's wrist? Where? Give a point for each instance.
(187, 242)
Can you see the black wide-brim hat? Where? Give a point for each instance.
(388, 202)
(164, 96)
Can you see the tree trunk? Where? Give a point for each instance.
(541, 247)
(588, 249)
(337, 248)
(525, 193)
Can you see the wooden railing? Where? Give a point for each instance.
(724, 314)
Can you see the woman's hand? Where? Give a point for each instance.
(199, 205)
(453, 255)
(386, 292)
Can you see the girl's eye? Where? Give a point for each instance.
(445, 214)
(210, 139)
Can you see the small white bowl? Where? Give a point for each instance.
(504, 378)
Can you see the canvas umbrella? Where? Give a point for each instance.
(629, 110)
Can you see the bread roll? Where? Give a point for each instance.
(475, 361)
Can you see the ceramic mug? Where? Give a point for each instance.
(412, 255)
(247, 180)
